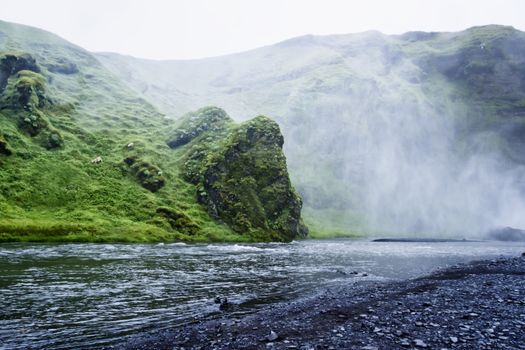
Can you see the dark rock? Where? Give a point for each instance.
(147, 174)
(246, 184)
(224, 304)
(4, 147)
(11, 63)
(63, 66)
(179, 221)
(507, 234)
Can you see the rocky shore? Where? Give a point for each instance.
(480, 305)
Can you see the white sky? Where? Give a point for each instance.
(182, 29)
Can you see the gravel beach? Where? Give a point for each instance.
(480, 305)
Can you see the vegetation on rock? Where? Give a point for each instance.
(147, 174)
(197, 123)
(67, 124)
(241, 177)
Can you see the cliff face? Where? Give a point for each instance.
(241, 175)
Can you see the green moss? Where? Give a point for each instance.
(148, 175)
(243, 180)
(194, 124)
(179, 221)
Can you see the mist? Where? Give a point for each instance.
(377, 140)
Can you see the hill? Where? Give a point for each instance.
(85, 158)
(420, 133)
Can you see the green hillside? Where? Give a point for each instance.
(420, 133)
(85, 158)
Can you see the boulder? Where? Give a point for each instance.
(245, 183)
(148, 175)
(508, 234)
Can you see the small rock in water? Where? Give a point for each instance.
(272, 336)
(454, 339)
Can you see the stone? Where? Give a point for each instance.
(273, 336)
(420, 343)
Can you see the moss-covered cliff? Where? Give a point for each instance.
(241, 175)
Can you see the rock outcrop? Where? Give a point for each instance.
(23, 91)
(12, 63)
(242, 179)
(148, 175)
(197, 123)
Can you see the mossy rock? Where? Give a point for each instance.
(196, 123)
(148, 175)
(53, 139)
(62, 66)
(178, 221)
(245, 183)
(28, 90)
(11, 63)
(33, 123)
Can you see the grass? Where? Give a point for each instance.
(110, 177)
(333, 223)
(57, 194)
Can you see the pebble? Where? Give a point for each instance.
(272, 336)
(468, 312)
(420, 343)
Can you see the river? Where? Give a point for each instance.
(70, 296)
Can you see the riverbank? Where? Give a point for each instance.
(479, 305)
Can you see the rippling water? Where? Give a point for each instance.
(90, 295)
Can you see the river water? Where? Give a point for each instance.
(72, 296)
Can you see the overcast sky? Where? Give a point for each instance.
(182, 29)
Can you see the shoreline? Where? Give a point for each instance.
(477, 305)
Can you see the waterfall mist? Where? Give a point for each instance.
(417, 134)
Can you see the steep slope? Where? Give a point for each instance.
(419, 133)
(84, 158)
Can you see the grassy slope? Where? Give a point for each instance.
(60, 195)
(324, 88)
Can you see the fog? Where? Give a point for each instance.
(374, 141)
